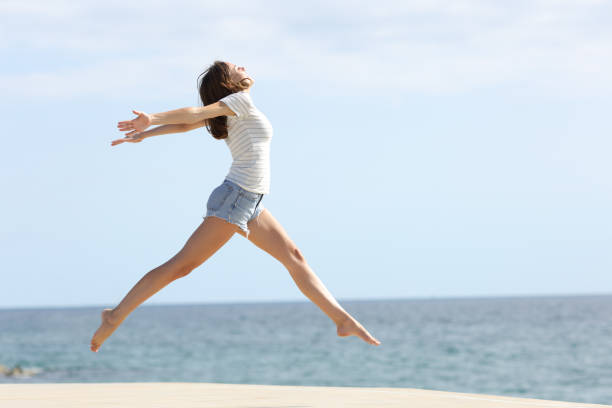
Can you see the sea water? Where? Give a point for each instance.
(555, 347)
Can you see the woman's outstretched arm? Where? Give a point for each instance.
(175, 128)
(188, 116)
(136, 137)
(191, 114)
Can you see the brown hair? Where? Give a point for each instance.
(214, 84)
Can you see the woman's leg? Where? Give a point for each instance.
(268, 234)
(211, 235)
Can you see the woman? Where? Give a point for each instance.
(234, 206)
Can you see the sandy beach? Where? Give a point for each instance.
(192, 395)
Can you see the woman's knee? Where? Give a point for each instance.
(180, 265)
(184, 270)
(295, 257)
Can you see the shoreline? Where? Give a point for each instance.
(221, 395)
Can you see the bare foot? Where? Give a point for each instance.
(351, 327)
(107, 328)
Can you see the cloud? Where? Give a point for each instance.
(417, 46)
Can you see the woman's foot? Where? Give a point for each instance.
(108, 326)
(351, 327)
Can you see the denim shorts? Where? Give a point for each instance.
(234, 204)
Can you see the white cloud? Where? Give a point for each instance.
(420, 46)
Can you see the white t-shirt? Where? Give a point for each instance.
(249, 134)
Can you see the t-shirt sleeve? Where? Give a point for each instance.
(239, 102)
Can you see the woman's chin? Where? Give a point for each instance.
(247, 81)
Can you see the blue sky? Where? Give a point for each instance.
(420, 149)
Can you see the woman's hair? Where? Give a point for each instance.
(214, 84)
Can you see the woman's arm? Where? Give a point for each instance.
(136, 137)
(175, 128)
(164, 130)
(190, 115)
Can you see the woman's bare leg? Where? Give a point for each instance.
(211, 235)
(268, 234)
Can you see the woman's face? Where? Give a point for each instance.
(237, 73)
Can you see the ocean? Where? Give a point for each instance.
(549, 347)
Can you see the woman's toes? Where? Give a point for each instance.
(107, 327)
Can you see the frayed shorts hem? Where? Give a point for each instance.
(246, 230)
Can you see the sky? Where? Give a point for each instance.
(421, 149)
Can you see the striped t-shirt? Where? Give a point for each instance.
(249, 134)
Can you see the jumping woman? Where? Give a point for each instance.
(234, 206)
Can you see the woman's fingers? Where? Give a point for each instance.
(139, 124)
(126, 125)
(127, 138)
(123, 126)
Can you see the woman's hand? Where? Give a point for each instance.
(137, 125)
(134, 138)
